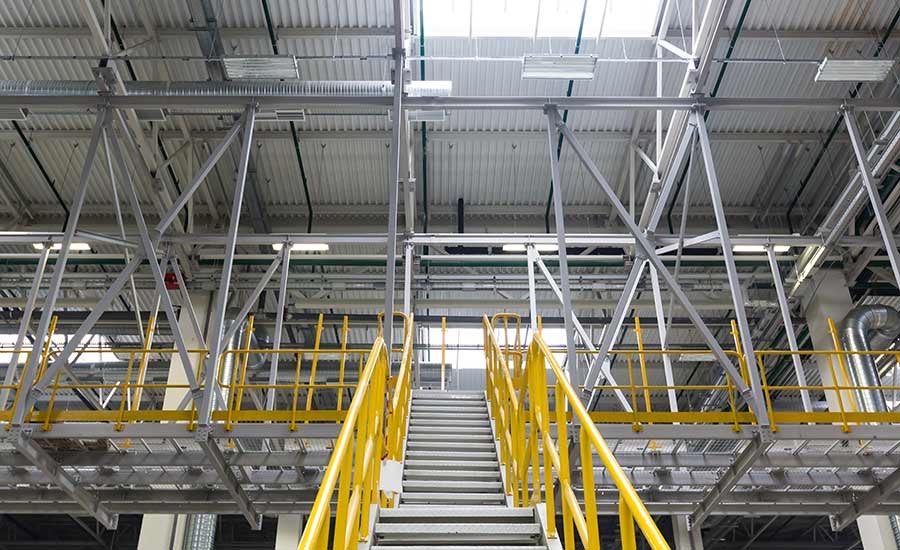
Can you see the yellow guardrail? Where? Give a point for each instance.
(523, 434)
(632, 367)
(365, 439)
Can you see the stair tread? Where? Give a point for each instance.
(412, 463)
(486, 513)
(453, 486)
(460, 528)
(453, 497)
(439, 474)
(457, 547)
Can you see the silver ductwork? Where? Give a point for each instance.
(242, 88)
(863, 329)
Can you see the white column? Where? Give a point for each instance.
(830, 297)
(164, 531)
(290, 527)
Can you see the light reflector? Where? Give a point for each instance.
(518, 247)
(261, 68)
(759, 249)
(303, 247)
(77, 247)
(429, 88)
(559, 67)
(854, 70)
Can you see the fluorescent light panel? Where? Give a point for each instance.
(517, 247)
(78, 247)
(559, 67)
(429, 88)
(303, 247)
(854, 70)
(758, 248)
(261, 68)
(697, 357)
(426, 116)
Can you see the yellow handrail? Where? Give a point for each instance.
(512, 422)
(371, 432)
(358, 485)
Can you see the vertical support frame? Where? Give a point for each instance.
(279, 322)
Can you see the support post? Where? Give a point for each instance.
(868, 181)
(664, 341)
(788, 327)
(279, 322)
(737, 293)
(214, 336)
(647, 249)
(394, 181)
(571, 356)
(532, 292)
(29, 372)
(10, 377)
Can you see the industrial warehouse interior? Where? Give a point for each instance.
(449, 274)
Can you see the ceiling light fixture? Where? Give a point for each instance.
(303, 247)
(854, 70)
(559, 67)
(261, 68)
(759, 248)
(75, 247)
(518, 247)
(697, 357)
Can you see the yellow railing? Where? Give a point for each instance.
(526, 440)
(365, 438)
(636, 384)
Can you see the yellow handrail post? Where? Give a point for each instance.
(590, 496)
(626, 526)
(845, 427)
(443, 351)
(145, 359)
(636, 423)
(765, 385)
(315, 363)
(565, 475)
(125, 386)
(845, 374)
(292, 426)
(643, 363)
(345, 328)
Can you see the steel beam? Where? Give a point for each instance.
(27, 312)
(741, 465)
(44, 462)
(227, 477)
(869, 501)
(868, 183)
(214, 339)
(648, 249)
(737, 293)
(566, 291)
(29, 371)
(251, 301)
(279, 320)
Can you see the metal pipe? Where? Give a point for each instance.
(863, 329)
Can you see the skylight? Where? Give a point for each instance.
(540, 18)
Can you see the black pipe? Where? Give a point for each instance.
(424, 176)
(42, 170)
(714, 93)
(273, 39)
(836, 126)
(565, 118)
(460, 216)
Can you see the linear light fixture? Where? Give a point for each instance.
(261, 68)
(559, 67)
(429, 88)
(13, 113)
(77, 247)
(426, 116)
(758, 248)
(854, 70)
(697, 357)
(303, 247)
(517, 247)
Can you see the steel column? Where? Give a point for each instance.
(27, 312)
(279, 321)
(393, 184)
(150, 252)
(788, 327)
(214, 338)
(663, 340)
(737, 293)
(647, 248)
(868, 181)
(29, 371)
(571, 356)
(532, 293)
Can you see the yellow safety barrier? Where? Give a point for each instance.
(520, 453)
(631, 367)
(365, 439)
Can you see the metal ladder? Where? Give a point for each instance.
(453, 497)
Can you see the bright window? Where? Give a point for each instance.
(629, 18)
(504, 18)
(447, 17)
(557, 18)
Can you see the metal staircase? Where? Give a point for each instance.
(453, 496)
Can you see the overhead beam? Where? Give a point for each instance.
(741, 465)
(867, 503)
